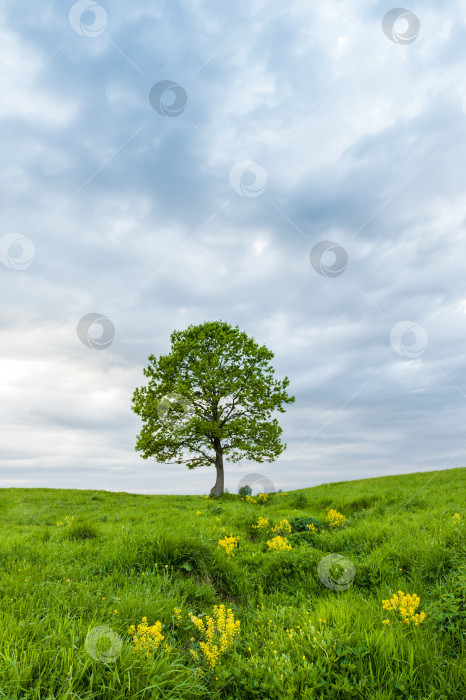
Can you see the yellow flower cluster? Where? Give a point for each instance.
(262, 498)
(146, 639)
(177, 612)
(68, 520)
(312, 527)
(278, 544)
(261, 523)
(198, 512)
(225, 628)
(284, 526)
(228, 543)
(456, 518)
(334, 518)
(194, 654)
(405, 607)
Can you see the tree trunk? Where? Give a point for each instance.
(217, 490)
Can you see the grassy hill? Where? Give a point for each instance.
(79, 570)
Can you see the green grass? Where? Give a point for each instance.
(145, 555)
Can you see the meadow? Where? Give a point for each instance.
(115, 595)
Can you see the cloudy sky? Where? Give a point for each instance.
(296, 170)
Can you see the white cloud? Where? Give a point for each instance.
(352, 131)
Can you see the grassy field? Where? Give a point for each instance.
(79, 570)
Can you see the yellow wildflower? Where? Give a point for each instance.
(228, 543)
(147, 638)
(404, 607)
(223, 630)
(334, 518)
(278, 544)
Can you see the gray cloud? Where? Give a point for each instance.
(132, 215)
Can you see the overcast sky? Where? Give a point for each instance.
(296, 170)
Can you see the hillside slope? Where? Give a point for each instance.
(80, 569)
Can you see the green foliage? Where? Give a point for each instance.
(302, 537)
(300, 502)
(371, 575)
(208, 363)
(359, 504)
(225, 496)
(245, 491)
(82, 531)
(298, 639)
(299, 524)
(184, 553)
(288, 571)
(215, 510)
(45, 535)
(448, 608)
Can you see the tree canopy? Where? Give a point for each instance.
(181, 406)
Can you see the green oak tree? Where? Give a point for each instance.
(208, 364)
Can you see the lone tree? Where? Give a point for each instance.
(208, 363)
